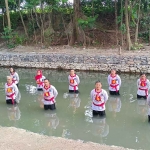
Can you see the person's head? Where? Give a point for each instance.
(39, 72)
(12, 70)
(72, 72)
(98, 85)
(113, 72)
(9, 79)
(143, 76)
(46, 82)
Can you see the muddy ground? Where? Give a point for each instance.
(18, 139)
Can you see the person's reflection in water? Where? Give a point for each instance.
(52, 121)
(14, 113)
(74, 100)
(114, 105)
(142, 108)
(100, 128)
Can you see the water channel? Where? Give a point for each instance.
(126, 117)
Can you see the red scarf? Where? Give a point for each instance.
(143, 82)
(37, 77)
(113, 76)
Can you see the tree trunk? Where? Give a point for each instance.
(137, 24)
(128, 39)
(121, 24)
(8, 16)
(74, 37)
(3, 14)
(116, 22)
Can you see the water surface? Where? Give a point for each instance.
(125, 124)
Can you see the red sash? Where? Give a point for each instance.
(11, 96)
(146, 91)
(50, 99)
(101, 105)
(114, 86)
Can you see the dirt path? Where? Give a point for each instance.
(83, 51)
(18, 139)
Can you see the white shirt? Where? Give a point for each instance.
(15, 77)
(142, 92)
(99, 99)
(41, 82)
(11, 90)
(73, 82)
(50, 93)
(114, 82)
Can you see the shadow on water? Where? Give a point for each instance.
(126, 123)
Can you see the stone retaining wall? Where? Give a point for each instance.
(127, 64)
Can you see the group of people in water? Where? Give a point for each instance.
(98, 95)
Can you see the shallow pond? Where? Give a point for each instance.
(126, 117)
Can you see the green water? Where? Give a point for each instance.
(126, 118)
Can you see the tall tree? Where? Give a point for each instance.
(128, 38)
(8, 16)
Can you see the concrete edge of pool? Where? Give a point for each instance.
(19, 139)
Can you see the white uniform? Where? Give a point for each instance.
(40, 83)
(114, 104)
(11, 91)
(99, 100)
(148, 102)
(114, 82)
(143, 87)
(73, 82)
(15, 77)
(50, 95)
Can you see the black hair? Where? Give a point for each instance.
(114, 69)
(13, 69)
(47, 80)
(142, 73)
(98, 81)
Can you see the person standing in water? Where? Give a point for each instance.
(114, 82)
(143, 86)
(50, 94)
(73, 82)
(15, 76)
(11, 91)
(99, 97)
(39, 78)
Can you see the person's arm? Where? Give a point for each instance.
(138, 83)
(108, 79)
(16, 90)
(148, 84)
(5, 89)
(55, 92)
(43, 78)
(119, 80)
(105, 96)
(17, 77)
(78, 80)
(91, 95)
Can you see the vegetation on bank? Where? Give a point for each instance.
(110, 23)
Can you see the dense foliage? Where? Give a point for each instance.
(85, 22)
